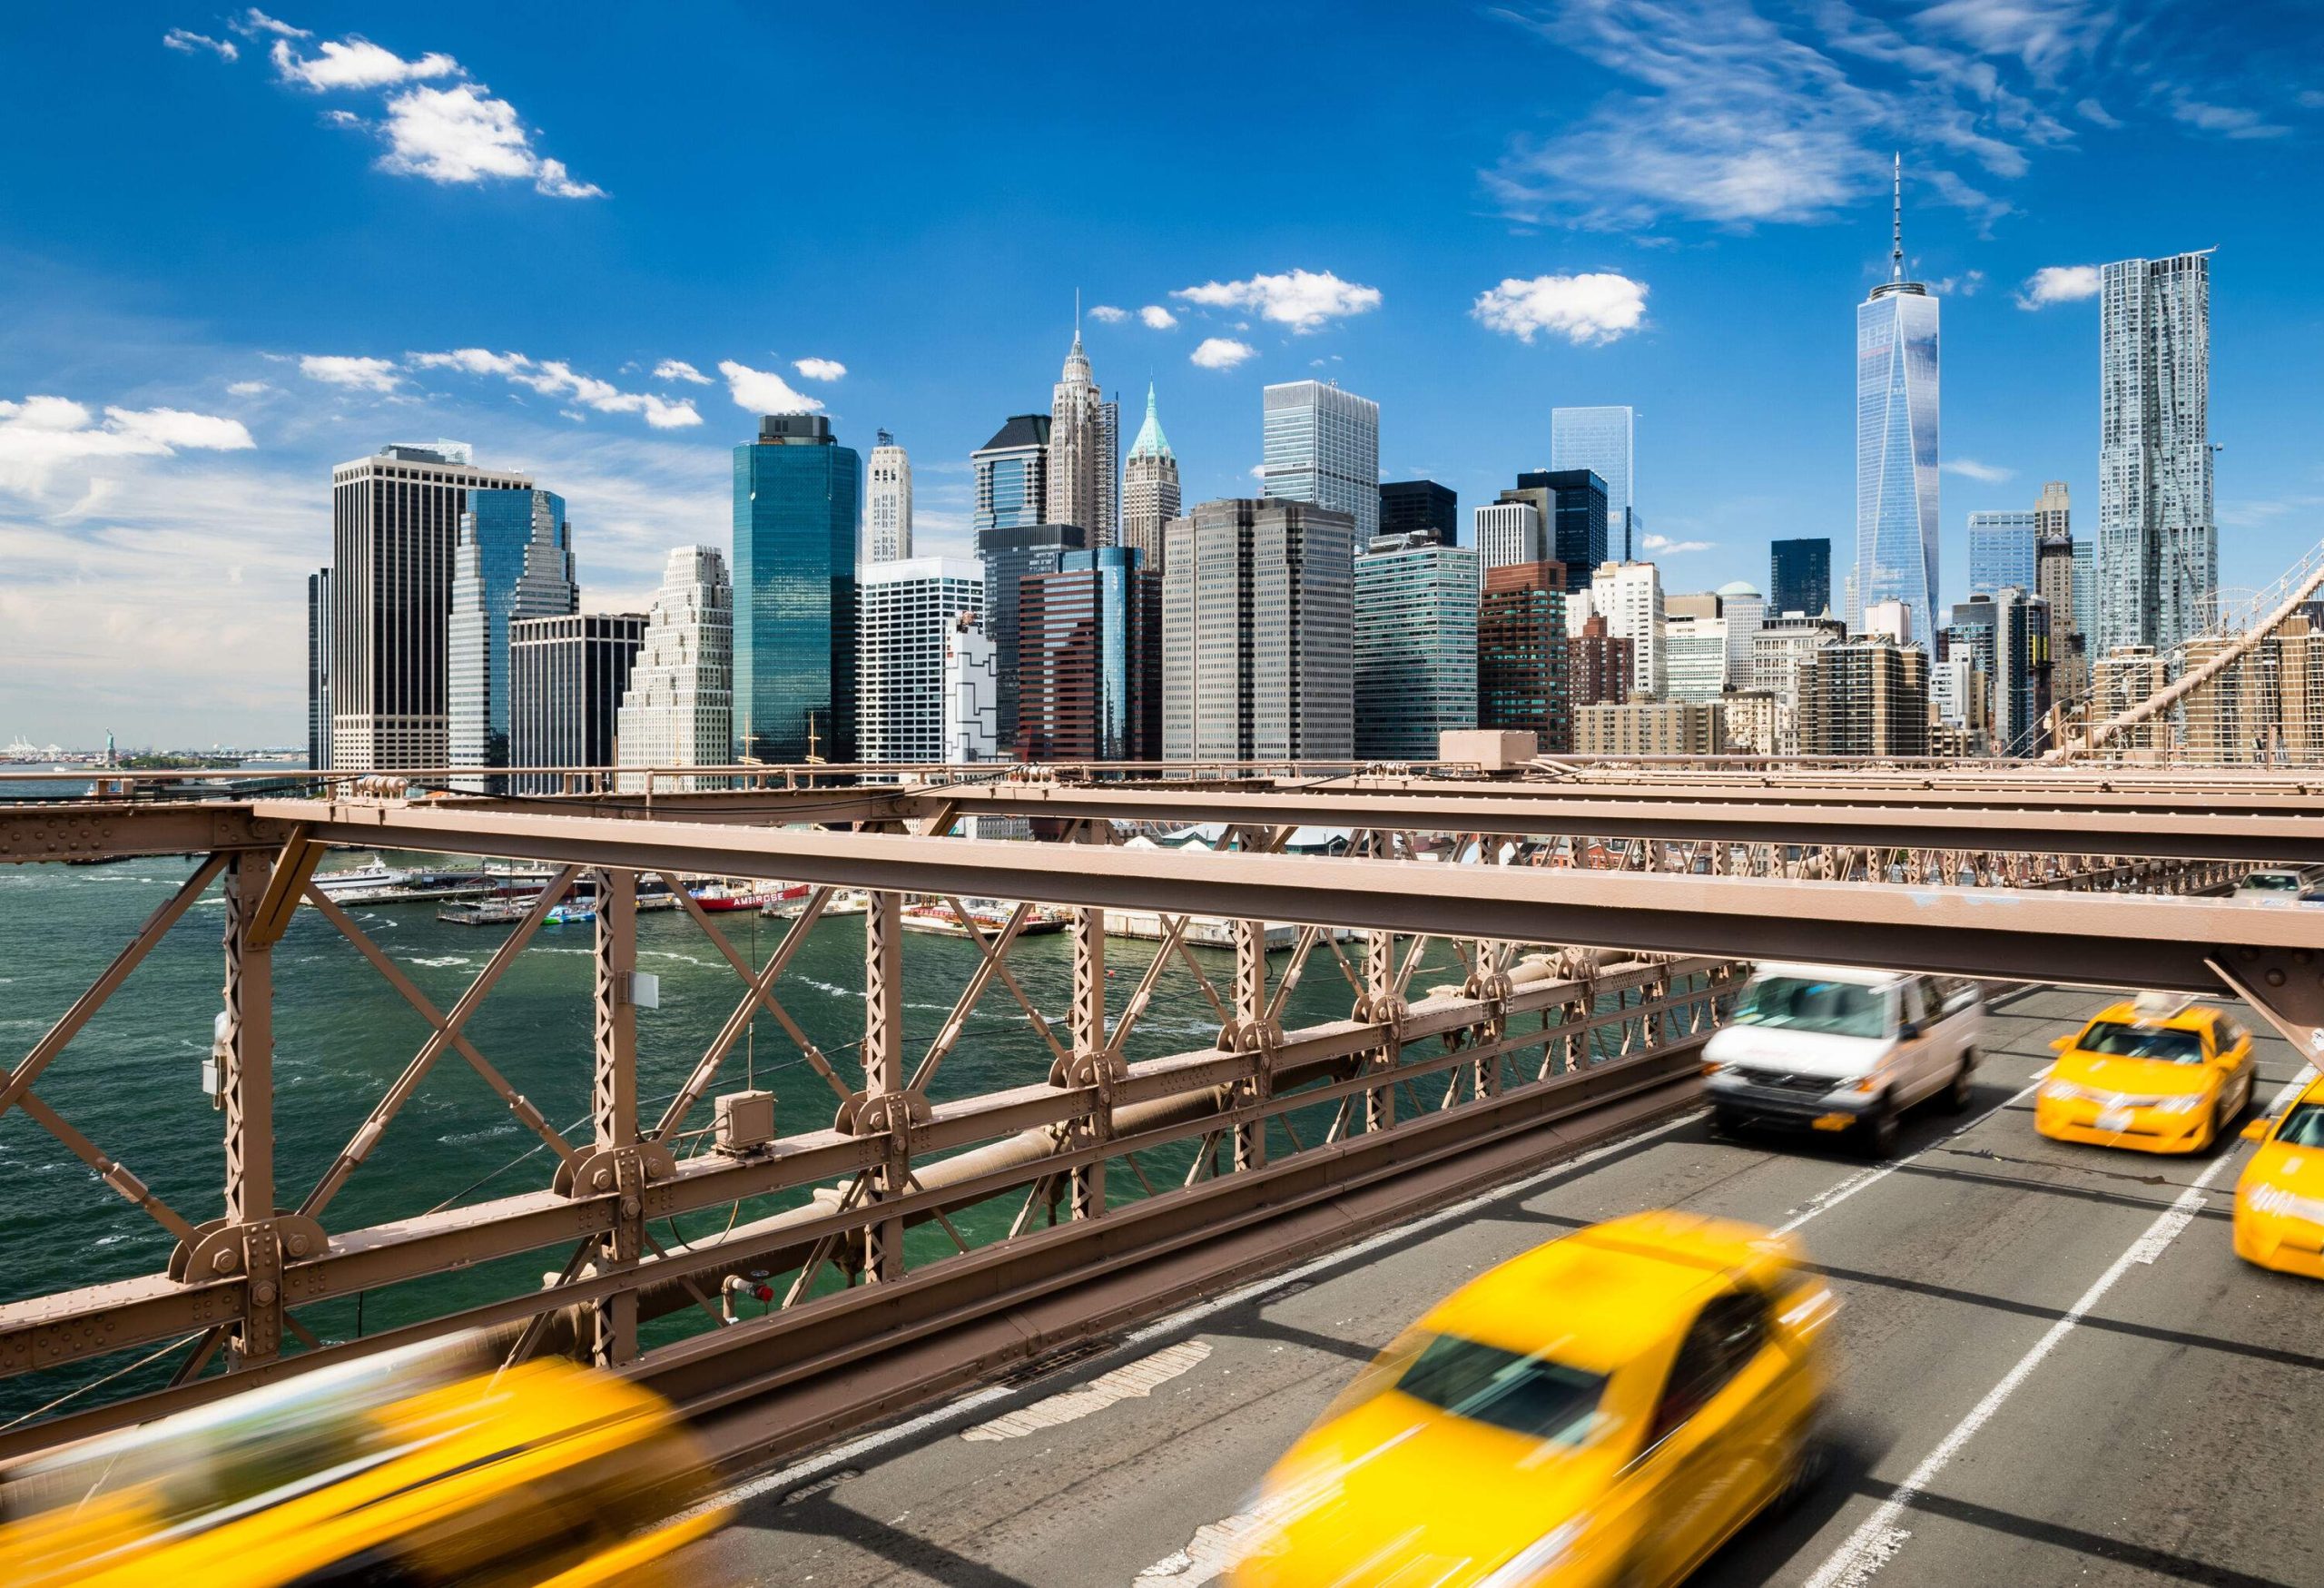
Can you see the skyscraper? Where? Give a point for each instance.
(1085, 452)
(1089, 659)
(1895, 441)
(2001, 551)
(1745, 611)
(395, 522)
(1602, 670)
(1572, 505)
(566, 676)
(1149, 488)
(514, 561)
(1412, 507)
(1415, 642)
(1694, 658)
(970, 685)
(1601, 440)
(1865, 697)
(908, 610)
(1012, 475)
(1009, 555)
(1524, 681)
(1799, 577)
(1257, 620)
(1630, 596)
(1322, 446)
(795, 523)
(887, 523)
(679, 708)
(2053, 512)
(319, 670)
(2158, 549)
(1508, 534)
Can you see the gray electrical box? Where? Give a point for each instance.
(745, 1120)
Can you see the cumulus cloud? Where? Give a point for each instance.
(1302, 300)
(248, 387)
(554, 377)
(2058, 284)
(1597, 307)
(1107, 314)
(819, 369)
(1662, 545)
(1157, 318)
(1983, 473)
(354, 62)
(763, 390)
(187, 44)
(356, 374)
(679, 369)
(1220, 353)
(463, 134)
(43, 434)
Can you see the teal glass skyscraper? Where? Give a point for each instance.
(1895, 443)
(514, 561)
(796, 510)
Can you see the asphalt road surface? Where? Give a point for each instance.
(2050, 1368)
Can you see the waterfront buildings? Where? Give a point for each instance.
(2158, 548)
(795, 523)
(1010, 555)
(1420, 507)
(1150, 489)
(1694, 658)
(1601, 440)
(1895, 441)
(1089, 659)
(679, 708)
(1012, 475)
(887, 517)
(1864, 697)
(318, 669)
(1629, 594)
(1600, 669)
(566, 676)
(906, 616)
(1508, 534)
(1524, 660)
(1415, 643)
(1322, 445)
(1799, 577)
(395, 522)
(1258, 619)
(514, 561)
(1639, 726)
(2001, 551)
(1085, 453)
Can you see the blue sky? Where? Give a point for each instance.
(238, 248)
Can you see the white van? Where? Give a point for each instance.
(1821, 1048)
(2282, 884)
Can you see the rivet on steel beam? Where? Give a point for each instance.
(2275, 978)
(264, 1293)
(223, 1261)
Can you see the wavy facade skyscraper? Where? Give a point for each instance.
(2158, 548)
(1896, 442)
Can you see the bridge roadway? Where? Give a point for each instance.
(2048, 1354)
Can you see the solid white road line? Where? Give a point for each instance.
(1877, 1540)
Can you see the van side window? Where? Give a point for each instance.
(1911, 1005)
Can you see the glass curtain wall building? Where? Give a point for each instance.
(318, 669)
(1012, 475)
(796, 493)
(1089, 659)
(1415, 646)
(2001, 552)
(514, 561)
(1895, 444)
(1420, 507)
(1322, 446)
(1799, 577)
(1009, 557)
(1601, 440)
(2158, 548)
(567, 679)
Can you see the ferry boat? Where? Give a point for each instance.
(722, 896)
(794, 904)
(991, 916)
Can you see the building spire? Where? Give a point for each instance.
(1895, 251)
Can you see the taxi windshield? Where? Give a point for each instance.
(2271, 882)
(1525, 1394)
(2129, 1041)
(1799, 1003)
(2303, 1127)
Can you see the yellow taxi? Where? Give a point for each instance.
(1607, 1408)
(395, 1469)
(2157, 1074)
(2279, 1200)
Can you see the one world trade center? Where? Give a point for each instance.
(1895, 443)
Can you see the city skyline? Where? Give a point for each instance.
(185, 520)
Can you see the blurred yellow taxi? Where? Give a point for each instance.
(1607, 1408)
(2158, 1074)
(2279, 1200)
(396, 1469)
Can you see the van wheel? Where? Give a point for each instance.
(1958, 1090)
(1877, 1135)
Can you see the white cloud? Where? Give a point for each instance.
(1220, 353)
(1157, 318)
(1302, 300)
(356, 374)
(2058, 284)
(1967, 284)
(1258, 471)
(2090, 111)
(253, 22)
(556, 378)
(187, 43)
(820, 369)
(763, 390)
(355, 63)
(1983, 473)
(1107, 314)
(43, 434)
(1598, 307)
(463, 134)
(679, 369)
(1666, 546)
(248, 387)
(2229, 120)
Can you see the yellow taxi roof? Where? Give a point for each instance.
(2183, 1017)
(1598, 1296)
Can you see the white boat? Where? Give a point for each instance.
(361, 884)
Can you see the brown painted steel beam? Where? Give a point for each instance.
(105, 830)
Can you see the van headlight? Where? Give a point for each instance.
(1545, 1552)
